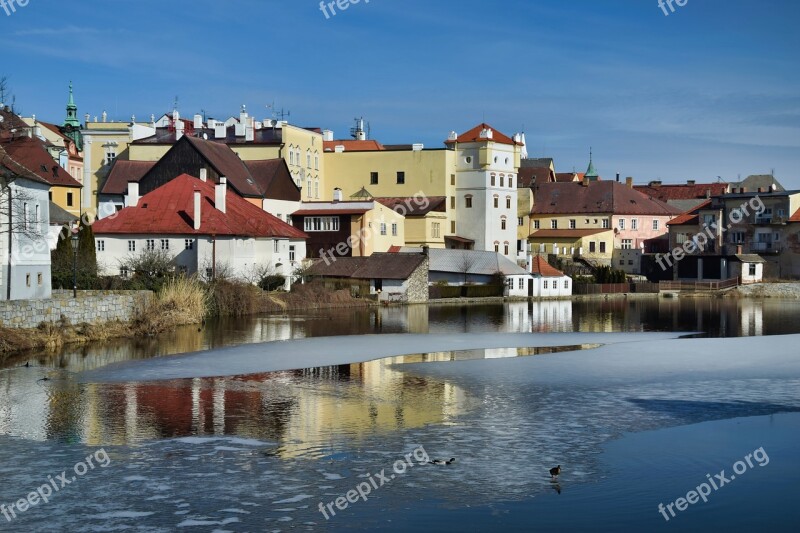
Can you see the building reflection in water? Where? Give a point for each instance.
(306, 411)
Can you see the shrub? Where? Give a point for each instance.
(180, 301)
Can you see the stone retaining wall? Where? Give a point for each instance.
(94, 307)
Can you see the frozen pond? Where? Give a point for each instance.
(301, 423)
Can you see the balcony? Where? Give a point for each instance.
(766, 247)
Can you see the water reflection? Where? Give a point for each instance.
(306, 411)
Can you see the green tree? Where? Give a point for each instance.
(62, 259)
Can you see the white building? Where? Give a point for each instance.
(548, 281)
(24, 223)
(204, 226)
(486, 187)
(461, 267)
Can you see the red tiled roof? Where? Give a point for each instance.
(9, 166)
(329, 212)
(353, 146)
(474, 135)
(597, 197)
(122, 172)
(691, 217)
(682, 191)
(541, 267)
(527, 176)
(168, 210)
(565, 177)
(31, 153)
(795, 217)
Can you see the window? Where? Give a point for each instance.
(383, 228)
(308, 159)
(497, 247)
(401, 178)
(151, 245)
(453, 227)
(554, 224)
(292, 253)
(277, 246)
(321, 224)
(188, 244)
(592, 247)
(622, 223)
(131, 246)
(621, 262)
(468, 160)
(655, 225)
(468, 202)
(436, 230)
(602, 247)
(28, 280)
(316, 162)
(50, 195)
(508, 202)
(573, 223)
(316, 189)
(752, 269)
(496, 201)
(101, 245)
(605, 223)
(546, 284)
(505, 249)
(520, 221)
(511, 181)
(452, 202)
(394, 230)
(521, 283)
(502, 181)
(165, 244)
(536, 224)
(452, 179)
(630, 261)
(373, 178)
(25, 215)
(70, 199)
(503, 223)
(737, 237)
(566, 283)
(123, 272)
(111, 154)
(627, 244)
(39, 278)
(291, 157)
(493, 180)
(209, 273)
(309, 189)
(634, 224)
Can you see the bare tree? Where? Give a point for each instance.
(466, 263)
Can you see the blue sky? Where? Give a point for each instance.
(711, 90)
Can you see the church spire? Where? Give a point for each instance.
(72, 126)
(591, 173)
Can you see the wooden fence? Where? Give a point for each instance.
(699, 286)
(615, 288)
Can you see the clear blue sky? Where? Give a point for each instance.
(711, 90)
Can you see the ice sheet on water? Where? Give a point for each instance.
(329, 351)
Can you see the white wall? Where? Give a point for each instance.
(280, 208)
(30, 255)
(552, 287)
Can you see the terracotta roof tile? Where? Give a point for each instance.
(528, 176)
(474, 135)
(540, 266)
(795, 217)
(597, 197)
(123, 171)
(168, 210)
(31, 153)
(682, 191)
(691, 217)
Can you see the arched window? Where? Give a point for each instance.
(493, 178)
(508, 202)
(468, 201)
(496, 246)
(503, 222)
(496, 201)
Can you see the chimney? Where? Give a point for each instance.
(453, 136)
(585, 182)
(198, 122)
(617, 177)
(327, 135)
(132, 198)
(339, 148)
(178, 130)
(220, 191)
(417, 147)
(708, 193)
(629, 182)
(249, 133)
(196, 215)
(220, 130)
(690, 182)
(203, 174)
(738, 249)
(425, 250)
(337, 194)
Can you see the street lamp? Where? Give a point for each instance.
(74, 264)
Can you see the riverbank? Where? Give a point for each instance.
(766, 290)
